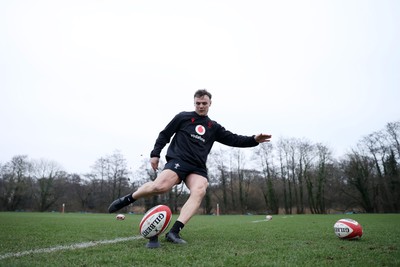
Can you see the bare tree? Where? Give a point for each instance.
(324, 158)
(282, 156)
(117, 174)
(266, 157)
(307, 155)
(84, 193)
(15, 183)
(49, 177)
(100, 172)
(290, 164)
(304, 150)
(109, 178)
(381, 147)
(240, 174)
(217, 160)
(359, 174)
(393, 130)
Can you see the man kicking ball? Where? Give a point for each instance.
(195, 134)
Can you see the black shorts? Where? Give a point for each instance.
(183, 169)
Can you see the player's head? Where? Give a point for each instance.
(202, 92)
(202, 101)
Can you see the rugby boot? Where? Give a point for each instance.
(174, 238)
(120, 203)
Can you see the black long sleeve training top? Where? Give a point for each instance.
(194, 138)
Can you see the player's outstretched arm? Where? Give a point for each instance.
(261, 138)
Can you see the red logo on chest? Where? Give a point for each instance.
(200, 130)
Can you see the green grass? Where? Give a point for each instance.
(291, 240)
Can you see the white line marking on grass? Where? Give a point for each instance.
(260, 221)
(68, 247)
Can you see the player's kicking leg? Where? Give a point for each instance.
(162, 184)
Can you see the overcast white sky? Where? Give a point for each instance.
(81, 79)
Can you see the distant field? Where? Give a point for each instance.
(73, 239)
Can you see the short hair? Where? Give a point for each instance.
(202, 92)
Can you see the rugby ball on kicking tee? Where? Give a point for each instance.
(348, 229)
(155, 221)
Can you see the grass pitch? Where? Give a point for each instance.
(73, 239)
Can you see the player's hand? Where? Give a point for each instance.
(261, 138)
(154, 163)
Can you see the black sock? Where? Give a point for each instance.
(130, 198)
(177, 227)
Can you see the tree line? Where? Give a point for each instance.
(287, 176)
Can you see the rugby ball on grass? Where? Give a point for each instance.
(155, 221)
(120, 217)
(348, 229)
